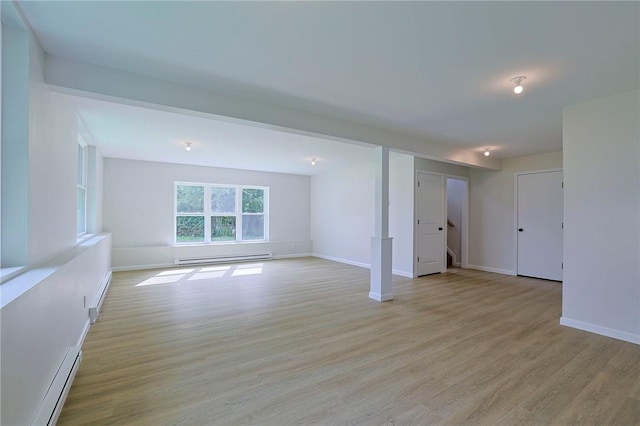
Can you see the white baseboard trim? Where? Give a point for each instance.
(280, 256)
(380, 297)
(292, 256)
(340, 260)
(361, 265)
(457, 264)
(140, 267)
(98, 298)
(85, 331)
(53, 401)
(402, 273)
(172, 265)
(494, 270)
(598, 329)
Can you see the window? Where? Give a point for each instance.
(212, 213)
(81, 200)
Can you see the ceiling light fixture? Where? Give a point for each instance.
(188, 146)
(517, 81)
(313, 161)
(486, 152)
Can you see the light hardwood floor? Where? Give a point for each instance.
(299, 342)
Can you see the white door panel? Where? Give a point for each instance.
(430, 223)
(539, 210)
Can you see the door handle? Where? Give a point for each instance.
(439, 229)
(520, 229)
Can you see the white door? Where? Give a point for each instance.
(539, 210)
(430, 223)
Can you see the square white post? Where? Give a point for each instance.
(381, 245)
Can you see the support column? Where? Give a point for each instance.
(381, 244)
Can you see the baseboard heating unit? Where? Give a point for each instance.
(96, 303)
(53, 401)
(222, 259)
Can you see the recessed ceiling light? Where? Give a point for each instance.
(188, 146)
(517, 81)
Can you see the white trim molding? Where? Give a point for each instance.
(603, 331)
(173, 265)
(359, 264)
(380, 297)
(402, 273)
(142, 267)
(292, 256)
(341, 260)
(494, 270)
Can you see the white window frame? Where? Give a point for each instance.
(208, 214)
(82, 183)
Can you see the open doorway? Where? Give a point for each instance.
(457, 190)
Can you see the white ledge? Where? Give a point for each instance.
(32, 276)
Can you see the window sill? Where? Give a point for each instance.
(19, 280)
(83, 238)
(220, 243)
(8, 273)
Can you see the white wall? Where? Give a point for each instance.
(43, 309)
(41, 165)
(601, 143)
(401, 212)
(342, 215)
(456, 189)
(40, 324)
(492, 210)
(52, 174)
(139, 211)
(15, 134)
(348, 194)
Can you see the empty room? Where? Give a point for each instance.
(376, 213)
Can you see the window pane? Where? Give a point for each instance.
(190, 199)
(81, 226)
(252, 200)
(190, 229)
(223, 200)
(223, 228)
(252, 227)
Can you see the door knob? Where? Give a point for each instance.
(520, 229)
(439, 229)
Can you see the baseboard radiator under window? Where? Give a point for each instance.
(53, 401)
(96, 303)
(222, 259)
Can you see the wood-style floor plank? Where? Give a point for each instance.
(298, 341)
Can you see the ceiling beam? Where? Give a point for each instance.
(134, 89)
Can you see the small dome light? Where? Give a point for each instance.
(486, 152)
(518, 88)
(188, 146)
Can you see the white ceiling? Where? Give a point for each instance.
(435, 70)
(124, 131)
